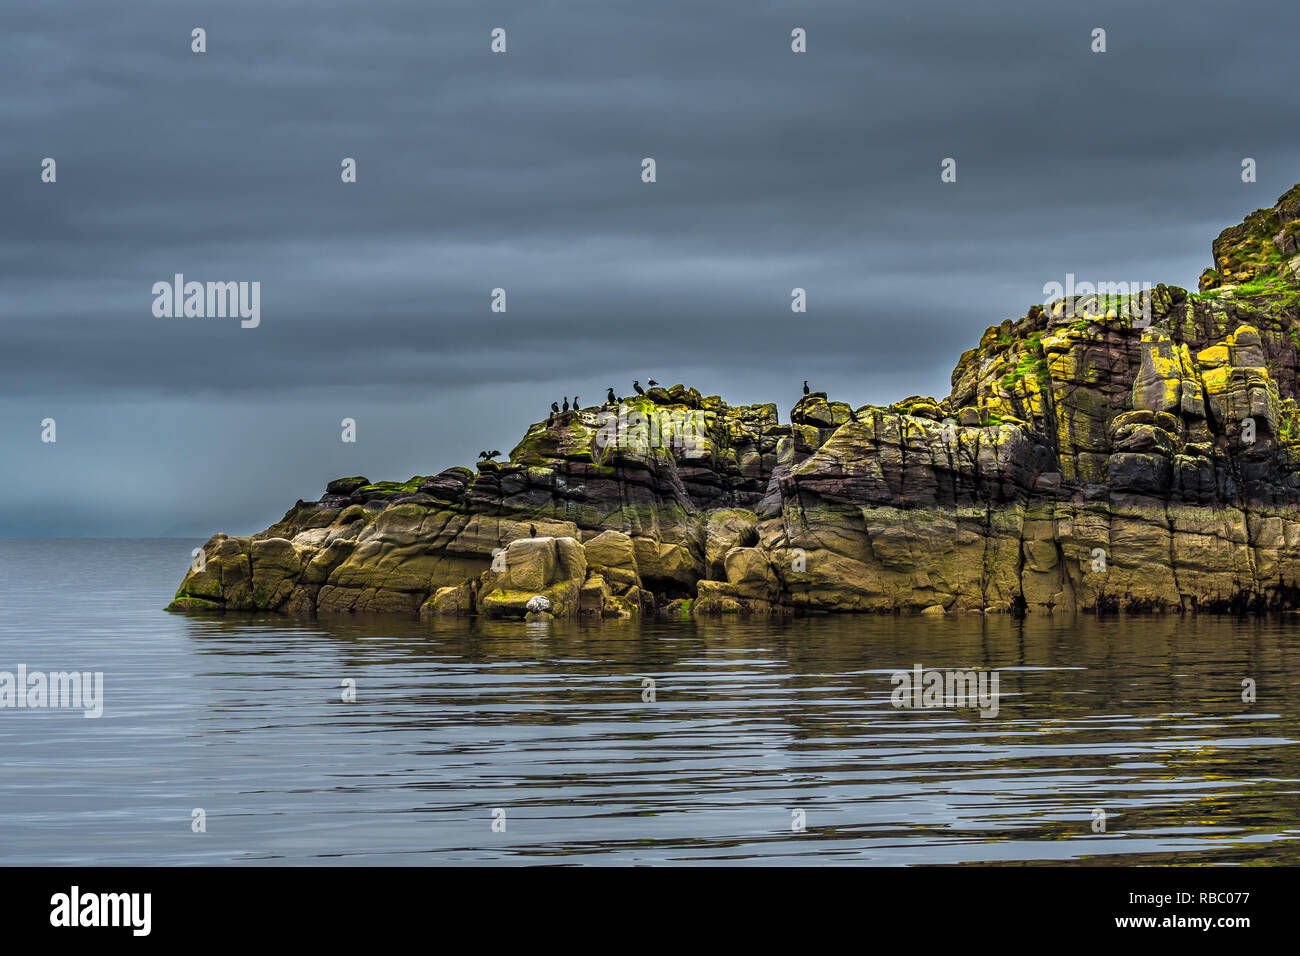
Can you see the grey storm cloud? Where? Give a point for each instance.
(522, 171)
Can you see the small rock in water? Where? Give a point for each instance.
(537, 603)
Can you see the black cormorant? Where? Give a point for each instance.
(636, 386)
(805, 386)
(532, 531)
(610, 399)
(565, 406)
(555, 408)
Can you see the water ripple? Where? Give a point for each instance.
(752, 728)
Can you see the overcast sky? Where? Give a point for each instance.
(522, 170)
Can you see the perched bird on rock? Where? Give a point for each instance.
(482, 454)
(651, 382)
(610, 399)
(550, 420)
(636, 387)
(575, 403)
(493, 454)
(805, 386)
(532, 531)
(565, 406)
(555, 408)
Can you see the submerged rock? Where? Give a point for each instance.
(1088, 457)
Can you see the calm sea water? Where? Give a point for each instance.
(545, 728)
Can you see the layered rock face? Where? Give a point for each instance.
(1105, 451)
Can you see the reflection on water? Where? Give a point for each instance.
(751, 722)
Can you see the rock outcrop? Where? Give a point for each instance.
(1105, 451)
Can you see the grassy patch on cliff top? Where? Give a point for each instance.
(1032, 362)
(397, 487)
(1267, 285)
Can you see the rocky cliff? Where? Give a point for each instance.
(1105, 451)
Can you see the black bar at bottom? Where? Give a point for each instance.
(334, 905)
